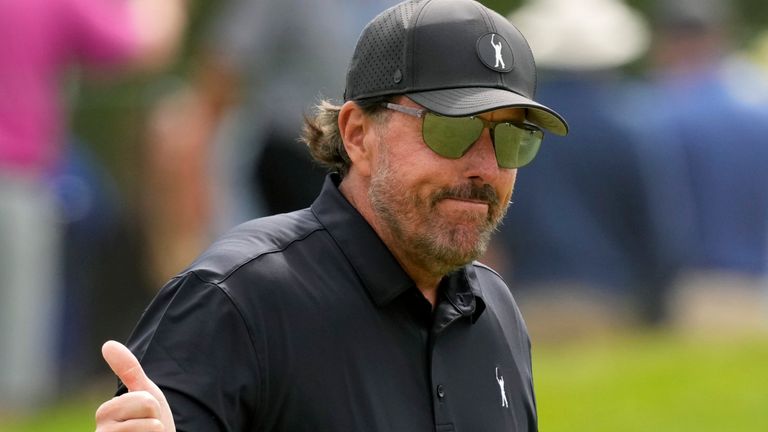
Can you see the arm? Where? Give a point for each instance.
(196, 348)
(125, 35)
(182, 126)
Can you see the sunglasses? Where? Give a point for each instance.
(515, 144)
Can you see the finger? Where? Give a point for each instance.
(133, 425)
(125, 365)
(133, 405)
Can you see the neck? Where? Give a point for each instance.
(426, 280)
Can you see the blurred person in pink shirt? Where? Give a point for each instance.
(39, 40)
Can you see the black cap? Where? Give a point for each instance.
(454, 57)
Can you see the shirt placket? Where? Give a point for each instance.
(445, 315)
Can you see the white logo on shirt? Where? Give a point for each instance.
(500, 380)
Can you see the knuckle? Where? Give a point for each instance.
(148, 402)
(99, 413)
(156, 426)
(105, 427)
(103, 411)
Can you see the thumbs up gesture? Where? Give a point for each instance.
(143, 408)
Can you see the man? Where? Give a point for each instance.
(366, 311)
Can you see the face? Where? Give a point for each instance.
(440, 213)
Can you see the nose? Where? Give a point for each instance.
(480, 160)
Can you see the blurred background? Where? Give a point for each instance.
(133, 133)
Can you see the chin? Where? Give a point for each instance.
(458, 246)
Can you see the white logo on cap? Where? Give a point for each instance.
(500, 380)
(499, 61)
(495, 53)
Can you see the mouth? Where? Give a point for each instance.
(469, 200)
(465, 204)
(483, 195)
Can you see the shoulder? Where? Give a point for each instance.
(253, 240)
(490, 279)
(496, 293)
(498, 296)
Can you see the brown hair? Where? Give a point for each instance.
(321, 132)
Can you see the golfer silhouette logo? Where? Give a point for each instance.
(494, 52)
(500, 380)
(497, 48)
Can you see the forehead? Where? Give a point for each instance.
(517, 114)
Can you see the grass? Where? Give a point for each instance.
(654, 383)
(72, 415)
(647, 382)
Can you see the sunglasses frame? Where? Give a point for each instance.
(491, 125)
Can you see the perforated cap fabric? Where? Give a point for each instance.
(454, 57)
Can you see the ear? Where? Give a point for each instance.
(354, 127)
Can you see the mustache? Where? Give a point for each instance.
(468, 191)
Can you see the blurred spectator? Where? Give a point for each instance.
(39, 39)
(98, 288)
(587, 251)
(236, 124)
(714, 105)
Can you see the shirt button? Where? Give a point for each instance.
(440, 391)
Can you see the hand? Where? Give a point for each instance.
(143, 408)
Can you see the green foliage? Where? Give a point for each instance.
(502, 6)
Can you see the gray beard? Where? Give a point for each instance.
(438, 250)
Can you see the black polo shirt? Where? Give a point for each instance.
(306, 322)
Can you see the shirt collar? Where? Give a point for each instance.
(381, 274)
(374, 264)
(462, 291)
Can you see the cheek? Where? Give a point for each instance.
(411, 158)
(506, 185)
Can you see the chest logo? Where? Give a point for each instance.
(500, 380)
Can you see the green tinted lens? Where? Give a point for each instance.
(450, 136)
(516, 145)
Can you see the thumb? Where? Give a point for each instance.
(125, 365)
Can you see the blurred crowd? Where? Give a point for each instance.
(652, 212)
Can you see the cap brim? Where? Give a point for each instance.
(475, 100)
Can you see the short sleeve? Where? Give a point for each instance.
(100, 32)
(194, 344)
